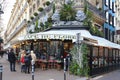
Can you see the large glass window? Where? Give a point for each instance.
(110, 57)
(117, 57)
(110, 4)
(101, 57)
(113, 8)
(44, 50)
(106, 57)
(107, 15)
(55, 47)
(95, 58)
(113, 20)
(95, 51)
(106, 2)
(114, 57)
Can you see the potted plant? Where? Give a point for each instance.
(35, 14)
(67, 13)
(28, 21)
(32, 17)
(40, 9)
(47, 3)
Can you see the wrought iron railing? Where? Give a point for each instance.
(47, 9)
(95, 10)
(18, 28)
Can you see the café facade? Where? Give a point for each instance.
(103, 56)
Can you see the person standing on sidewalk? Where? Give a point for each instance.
(33, 58)
(22, 55)
(12, 60)
(27, 62)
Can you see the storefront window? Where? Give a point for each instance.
(110, 57)
(36, 46)
(101, 58)
(28, 46)
(55, 47)
(114, 57)
(117, 57)
(44, 50)
(106, 57)
(95, 59)
(95, 51)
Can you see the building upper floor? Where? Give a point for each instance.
(26, 13)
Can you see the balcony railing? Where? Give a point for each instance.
(96, 10)
(18, 28)
(47, 9)
(79, 6)
(21, 12)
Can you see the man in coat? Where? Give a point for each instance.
(12, 60)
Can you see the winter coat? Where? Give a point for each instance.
(11, 57)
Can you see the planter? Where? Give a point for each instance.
(40, 9)
(31, 17)
(35, 14)
(47, 3)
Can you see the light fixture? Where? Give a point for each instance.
(35, 40)
(48, 39)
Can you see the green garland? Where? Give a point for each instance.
(74, 66)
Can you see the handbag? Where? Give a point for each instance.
(22, 59)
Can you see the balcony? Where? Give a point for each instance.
(97, 13)
(47, 9)
(18, 28)
(28, 1)
(22, 11)
(78, 6)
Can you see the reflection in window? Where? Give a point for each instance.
(95, 51)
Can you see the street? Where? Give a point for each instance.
(115, 75)
(50, 74)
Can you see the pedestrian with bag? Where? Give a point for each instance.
(12, 60)
(27, 62)
(23, 54)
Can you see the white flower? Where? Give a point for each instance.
(80, 16)
(56, 16)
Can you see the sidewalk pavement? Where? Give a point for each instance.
(50, 74)
(114, 75)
